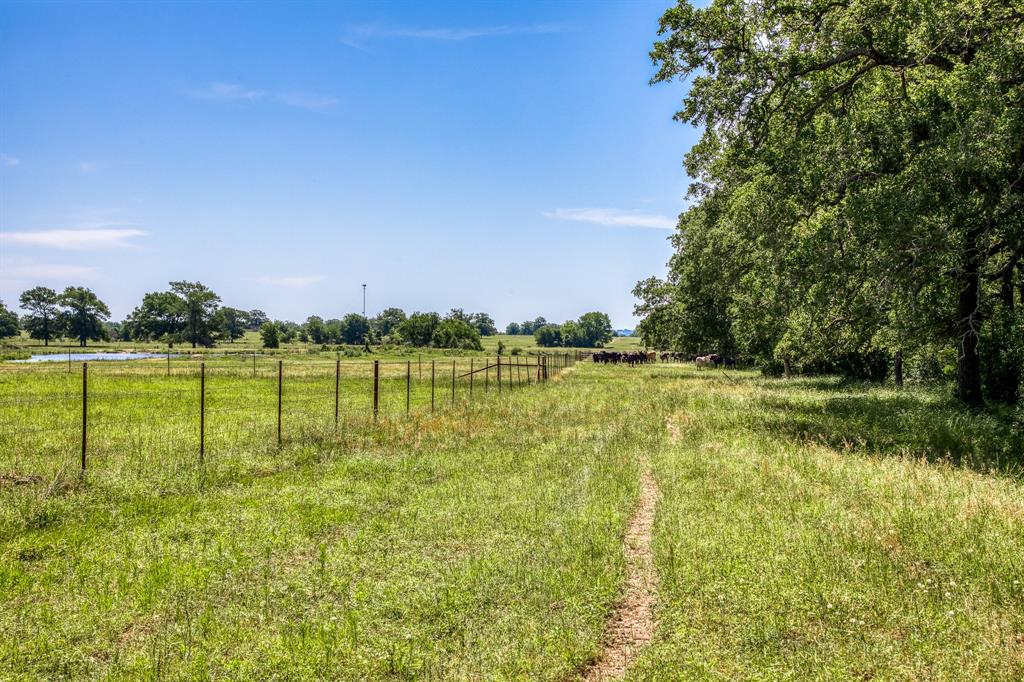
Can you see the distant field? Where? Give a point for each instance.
(804, 529)
(252, 342)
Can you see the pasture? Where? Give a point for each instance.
(803, 529)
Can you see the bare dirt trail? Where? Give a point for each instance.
(631, 625)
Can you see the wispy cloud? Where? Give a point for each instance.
(9, 161)
(47, 271)
(614, 217)
(357, 34)
(233, 92)
(76, 240)
(298, 282)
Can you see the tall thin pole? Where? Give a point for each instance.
(168, 361)
(432, 385)
(499, 373)
(408, 385)
(337, 390)
(471, 378)
(85, 408)
(202, 411)
(453, 383)
(364, 300)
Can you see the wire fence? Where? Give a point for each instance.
(169, 413)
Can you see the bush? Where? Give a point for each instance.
(452, 333)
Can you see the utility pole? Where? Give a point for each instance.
(364, 300)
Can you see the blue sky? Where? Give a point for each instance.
(507, 158)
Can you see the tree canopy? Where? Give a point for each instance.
(8, 322)
(43, 308)
(859, 186)
(83, 314)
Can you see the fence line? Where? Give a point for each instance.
(101, 407)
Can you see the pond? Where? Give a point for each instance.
(89, 357)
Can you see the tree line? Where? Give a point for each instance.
(191, 313)
(592, 330)
(858, 195)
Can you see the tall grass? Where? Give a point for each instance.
(812, 529)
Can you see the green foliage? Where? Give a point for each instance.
(513, 329)
(270, 333)
(199, 305)
(455, 333)
(354, 328)
(595, 330)
(43, 311)
(316, 330)
(857, 185)
(230, 323)
(548, 336)
(255, 319)
(83, 314)
(160, 317)
(8, 322)
(388, 321)
(418, 329)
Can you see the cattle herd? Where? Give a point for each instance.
(637, 357)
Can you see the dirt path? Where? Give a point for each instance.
(631, 625)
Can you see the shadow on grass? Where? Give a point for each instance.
(920, 422)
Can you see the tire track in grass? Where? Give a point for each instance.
(631, 625)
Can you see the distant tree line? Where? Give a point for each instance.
(592, 330)
(190, 313)
(859, 190)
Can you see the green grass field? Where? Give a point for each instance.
(804, 528)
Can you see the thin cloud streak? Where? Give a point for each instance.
(357, 34)
(74, 240)
(9, 161)
(233, 92)
(614, 217)
(48, 271)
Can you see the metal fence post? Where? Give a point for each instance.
(432, 368)
(280, 382)
(471, 378)
(337, 390)
(85, 409)
(202, 412)
(376, 389)
(408, 385)
(453, 383)
(499, 374)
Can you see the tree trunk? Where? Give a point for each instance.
(787, 368)
(968, 325)
(897, 369)
(1004, 384)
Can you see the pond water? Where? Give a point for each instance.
(89, 357)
